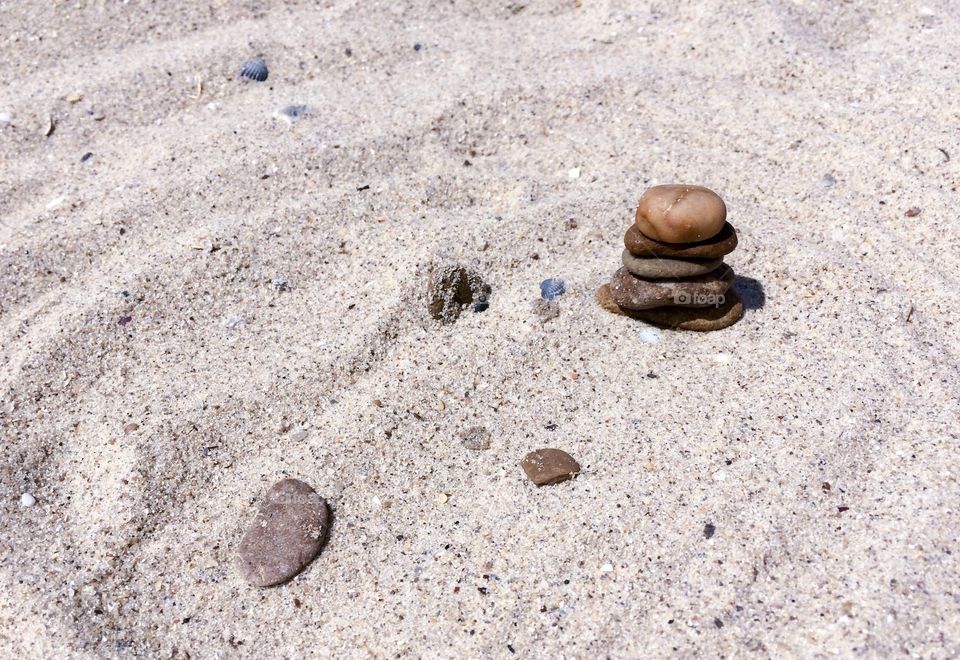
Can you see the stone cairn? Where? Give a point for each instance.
(673, 273)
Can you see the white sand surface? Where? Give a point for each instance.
(245, 290)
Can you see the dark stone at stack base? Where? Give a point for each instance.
(697, 319)
(642, 246)
(634, 292)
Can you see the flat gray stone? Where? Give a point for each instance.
(663, 268)
(288, 532)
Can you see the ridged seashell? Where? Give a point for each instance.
(255, 69)
(551, 289)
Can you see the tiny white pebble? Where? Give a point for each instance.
(27, 500)
(719, 475)
(5, 117)
(574, 173)
(723, 358)
(649, 336)
(607, 568)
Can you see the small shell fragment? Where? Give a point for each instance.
(551, 289)
(291, 113)
(255, 69)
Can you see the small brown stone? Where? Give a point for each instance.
(698, 319)
(288, 532)
(678, 213)
(549, 466)
(666, 268)
(639, 245)
(634, 292)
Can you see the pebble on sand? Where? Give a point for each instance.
(476, 438)
(549, 466)
(679, 213)
(546, 310)
(27, 500)
(289, 531)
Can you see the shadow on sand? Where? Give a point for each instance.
(751, 291)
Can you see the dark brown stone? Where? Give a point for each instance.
(451, 289)
(639, 245)
(549, 466)
(698, 319)
(634, 292)
(288, 532)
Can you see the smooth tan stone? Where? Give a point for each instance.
(678, 213)
(697, 319)
(634, 292)
(665, 268)
(723, 243)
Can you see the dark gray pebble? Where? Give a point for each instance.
(289, 531)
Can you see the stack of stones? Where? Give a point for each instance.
(673, 273)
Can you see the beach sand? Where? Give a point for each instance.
(218, 298)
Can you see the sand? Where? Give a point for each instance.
(249, 293)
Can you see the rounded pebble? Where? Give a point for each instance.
(551, 289)
(288, 532)
(27, 500)
(255, 69)
(678, 213)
